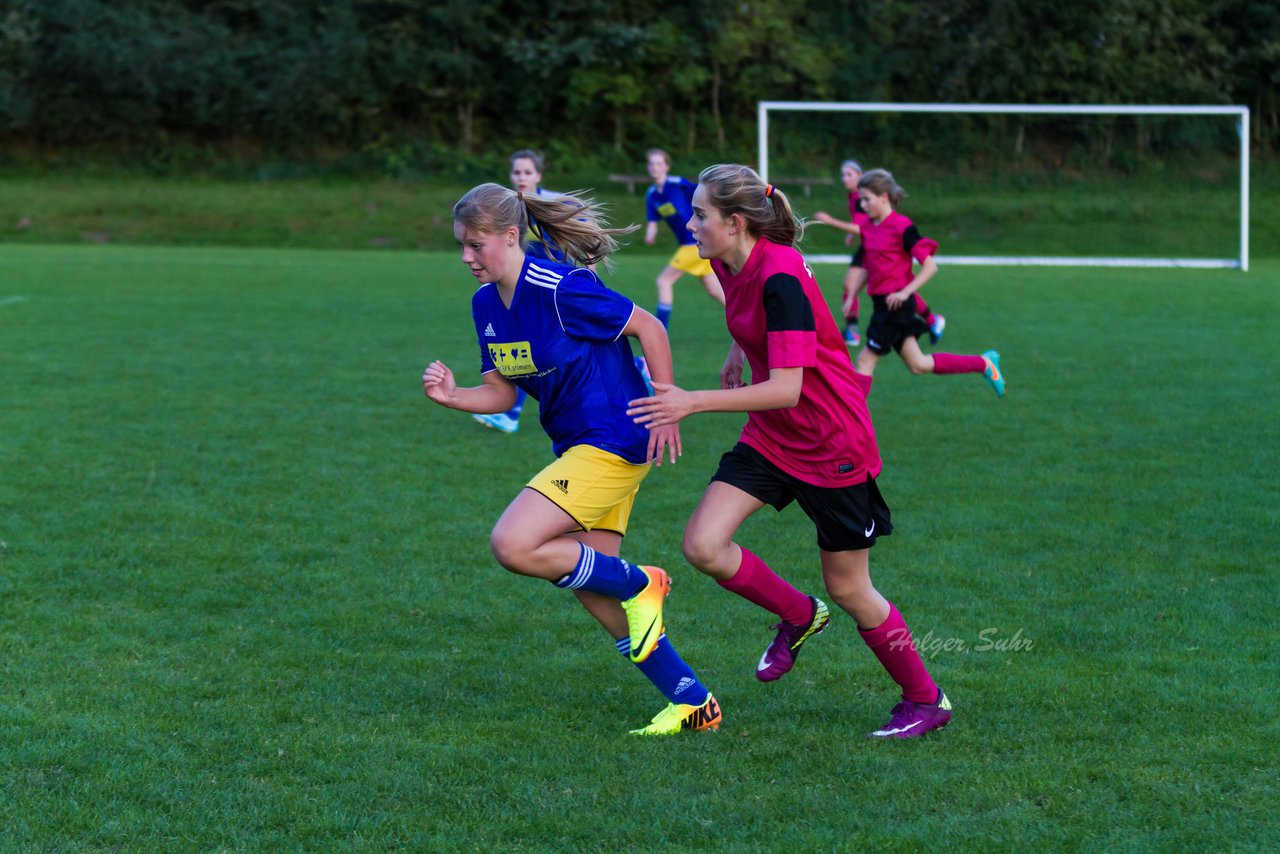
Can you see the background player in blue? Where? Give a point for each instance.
(556, 331)
(526, 177)
(668, 201)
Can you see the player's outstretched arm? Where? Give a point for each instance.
(495, 394)
(848, 228)
(655, 344)
(670, 404)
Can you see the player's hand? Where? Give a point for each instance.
(667, 406)
(438, 383)
(648, 241)
(664, 437)
(895, 299)
(848, 240)
(731, 372)
(823, 217)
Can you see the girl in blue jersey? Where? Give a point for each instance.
(668, 201)
(526, 178)
(554, 330)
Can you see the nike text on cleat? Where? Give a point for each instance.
(780, 656)
(993, 373)
(911, 720)
(499, 421)
(935, 328)
(678, 718)
(644, 612)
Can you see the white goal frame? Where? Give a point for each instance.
(1242, 127)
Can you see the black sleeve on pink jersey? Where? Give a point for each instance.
(910, 238)
(786, 308)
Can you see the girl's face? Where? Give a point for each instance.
(876, 205)
(709, 227)
(525, 176)
(658, 167)
(849, 177)
(489, 256)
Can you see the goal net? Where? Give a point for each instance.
(1028, 184)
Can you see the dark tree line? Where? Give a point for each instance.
(452, 77)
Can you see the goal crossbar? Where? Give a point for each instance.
(1242, 128)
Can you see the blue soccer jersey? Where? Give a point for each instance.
(561, 341)
(672, 204)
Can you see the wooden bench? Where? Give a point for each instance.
(807, 183)
(632, 180)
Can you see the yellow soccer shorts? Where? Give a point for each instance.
(686, 260)
(595, 487)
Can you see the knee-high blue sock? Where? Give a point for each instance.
(514, 412)
(664, 313)
(668, 672)
(604, 574)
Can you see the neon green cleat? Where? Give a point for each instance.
(678, 717)
(644, 612)
(992, 373)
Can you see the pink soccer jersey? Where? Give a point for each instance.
(776, 313)
(887, 252)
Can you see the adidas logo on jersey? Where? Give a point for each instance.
(562, 485)
(489, 333)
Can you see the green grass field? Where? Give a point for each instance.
(247, 602)
(1184, 216)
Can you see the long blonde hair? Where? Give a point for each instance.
(736, 189)
(569, 222)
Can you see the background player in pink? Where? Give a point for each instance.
(850, 172)
(890, 243)
(808, 439)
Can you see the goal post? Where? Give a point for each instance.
(1241, 114)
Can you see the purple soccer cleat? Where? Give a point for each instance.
(781, 655)
(912, 720)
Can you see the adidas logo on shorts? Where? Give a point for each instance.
(562, 485)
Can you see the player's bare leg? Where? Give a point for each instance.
(866, 363)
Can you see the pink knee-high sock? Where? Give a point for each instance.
(892, 643)
(756, 582)
(949, 363)
(922, 307)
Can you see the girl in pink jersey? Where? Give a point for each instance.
(890, 242)
(850, 172)
(808, 439)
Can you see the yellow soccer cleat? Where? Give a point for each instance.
(644, 612)
(678, 717)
